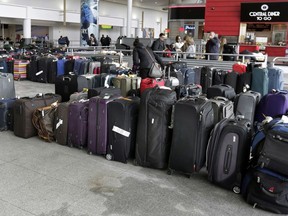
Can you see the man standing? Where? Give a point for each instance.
(158, 45)
(212, 46)
(102, 40)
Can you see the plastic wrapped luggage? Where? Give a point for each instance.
(7, 88)
(221, 90)
(61, 123)
(6, 114)
(260, 80)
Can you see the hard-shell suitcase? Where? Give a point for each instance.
(193, 121)
(23, 110)
(272, 104)
(221, 90)
(219, 76)
(150, 83)
(97, 124)
(7, 88)
(61, 123)
(232, 79)
(244, 82)
(245, 104)
(206, 78)
(228, 153)
(179, 75)
(32, 69)
(6, 114)
(260, 80)
(78, 124)
(103, 91)
(126, 84)
(276, 78)
(188, 90)
(153, 138)
(223, 108)
(61, 67)
(122, 127)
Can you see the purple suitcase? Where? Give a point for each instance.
(97, 124)
(272, 104)
(77, 123)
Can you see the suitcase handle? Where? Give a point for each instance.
(225, 85)
(220, 98)
(228, 158)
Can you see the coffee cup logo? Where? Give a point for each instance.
(264, 7)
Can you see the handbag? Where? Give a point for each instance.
(155, 71)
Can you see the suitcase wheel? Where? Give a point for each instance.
(89, 152)
(109, 157)
(236, 190)
(135, 163)
(169, 172)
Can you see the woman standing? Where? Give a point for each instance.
(92, 40)
(178, 43)
(191, 48)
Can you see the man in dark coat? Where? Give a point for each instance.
(142, 58)
(212, 46)
(159, 45)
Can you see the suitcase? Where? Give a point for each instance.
(61, 123)
(276, 78)
(272, 104)
(178, 65)
(244, 82)
(193, 121)
(103, 91)
(178, 74)
(94, 67)
(6, 114)
(10, 66)
(3, 66)
(20, 69)
(231, 79)
(221, 90)
(260, 80)
(197, 71)
(77, 66)
(188, 75)
(188, 90)
(32, 69)
(219, 76)
(23, 110)
(106, 79)
(206, 78)
(68, 84)
(78, 96)
(69, 66)
(126, 84)
(239, 68)
(153, 138)
(98, 125)
(52, 71)
(241, 109)
(223, 108)
(84, 67)
(78, 124)
(108, 68)
(150, 83)
(61, 67)
(91, 80)
(122, 128)
(228, 153)
(44, 66)
(7, 88)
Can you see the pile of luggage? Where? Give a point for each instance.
(192, 118)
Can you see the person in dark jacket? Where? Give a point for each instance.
(212, 46)
(92, 40)
(142, 58)
(159, 45)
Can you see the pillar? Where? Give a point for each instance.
(129, 18)
(27, 26)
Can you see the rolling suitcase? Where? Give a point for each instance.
(108, 68)
(91, 80)
(260, 80)
(61, 123)
(3, 66)
(6, 114)
(241, 109)
(231, 79)
(219, 76)
(7, 88)
(223, 108)
(153, 138)
(10, 66)
(23, 111)
(52, 71)
(78, 124)
(222, 90)
(69, 66)
(126, 84)
(178, 74)
(239, 68)
(61, 67)
(206, 78)
(188, 90)
(20, 69)
(178, 66)
(189, 76)
(193, 121)
(97, 124)
(244, 82)
(31, 69)
(150, 83)
(103, 91)
(197, 71)
(78, 96)
(94, 67)
(44, 67)
(228, 153)
(77, 66)
(122, 127)
(276, 78)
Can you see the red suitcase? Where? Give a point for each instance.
(150, 83)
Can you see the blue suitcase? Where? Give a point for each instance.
(77, 66)
(188, 75)
(60, 67)
(260, 80)
(276, 78)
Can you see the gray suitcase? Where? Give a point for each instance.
(223, 108)
(7, 88)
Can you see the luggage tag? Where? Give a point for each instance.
(121, 131)
(59, 123)
(38, 73)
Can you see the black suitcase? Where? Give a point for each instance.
(104, 92)
(228, 153)
(223, 108)
(219, 76)
(206, 78)
(188, 90)
(193, 121)
(69, 66)
(6, 114)
(221, 90)
(31, 69)
(44, 65)
(52, 71)
(231, 79)
(122, 127)
(178, 74)
(197, 78)
(61, 123)
(108, 68)
(10, 66)
(244, 82)
(153, 138)
(178, 65)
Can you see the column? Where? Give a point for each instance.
(129, 18)
(27, 26)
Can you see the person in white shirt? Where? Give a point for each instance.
(178, 43)
(191, 48)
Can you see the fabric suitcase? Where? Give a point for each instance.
(197, 71)
(108, 68)
(103, 91)
(239, 68)
(276, 78)
(231, 79)
(20, 69)
(77, 66)
(178, 66)
(219, 76)
(32, 69)
(23, 110)
(91, 80)
(44, 66)
(188, 75)
(188, 90)
(61, 67)
(244, 82)
(52, 71)
(61, 123)
(272, 104)
(221, 90)
(106, 79)
(78, 124)
(193, 121)
(98, 125)
(122, 127)
(126, 84)
(206, 78)
(153, 138)
(69, 66)
(10, 66)
(6, 114)
(95, 65)
(7, 88)
(179, 75)
(223, 108)
(228, 153)
(150, 83)
(84, 67)
(260, 80)
(3, 66)
(78, 96)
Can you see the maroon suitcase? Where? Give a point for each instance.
(97, 124)
(77, 123)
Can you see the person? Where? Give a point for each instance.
(46, 38)
(191, 48)
(21, 42)
(92, 40)
(142, 58)
(227, 49)
(102, 40)
(107, 41)
(159, 45)
(178, 43)
(212, 46)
